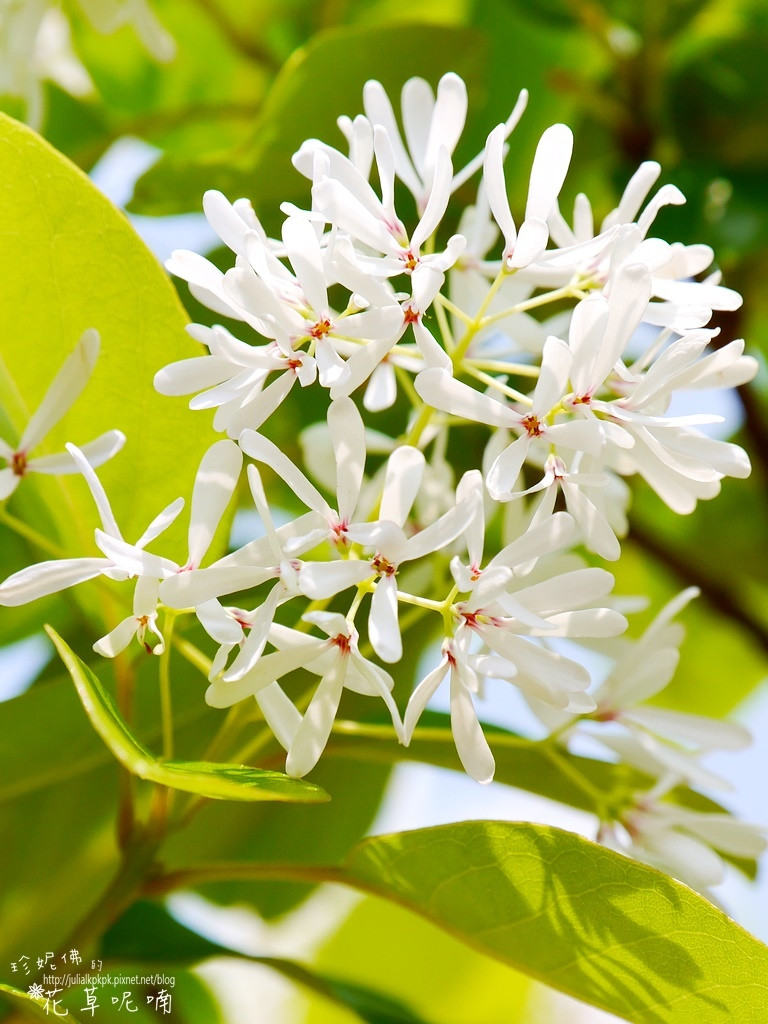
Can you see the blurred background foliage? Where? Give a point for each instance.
(685, 83)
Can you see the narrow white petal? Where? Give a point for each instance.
(306, 259)
(268, 669)
(638, 187)
(447, 122)
(160, 523)
(710, 733)
(312, 735)
(359, 367)
(550, 166)
(319, 580)
(383, 627)
(378, 110)
(442, 391)
(471, 744)
(697, 293)
(145, 597)
(225, 221)
(668, 195)
(545, 538)
(421, 697)
(97, 490)
(118, 639)
(506, 467)
(349, 214)
(442, 532)
(418, 106)
(189, 589)
(439, 196)
(64, 390)
(433, 353)
(405, 470)
(133, 559)
(724, 833)
(265, 451)
(495, 185)
(280, 714)
(686, 856)
(348, 440)
(218, 623)
(256, 640)
(598, 534)
(385, 164)
(567, 591)
(471, 484)
(531, 242)
(215, 483)
(9, 481)
(556, 363)
(188, 376)
(96, 452)
(49, 578)
(381, 392)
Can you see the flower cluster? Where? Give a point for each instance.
(566, 344)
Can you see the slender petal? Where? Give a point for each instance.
(383, 628)
(49, 578)
(312, 735)
(348, 440)
(215, 483)
(405, 469)
(64, 390)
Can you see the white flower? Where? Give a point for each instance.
(471, 744)
(392, 547)
(658, 740)
(337, 660)
(215, 482)
(64, 390)
(685, 843)
(431, 124)
(50, 577)
(550, 166)
(350, 204)
(440, 390)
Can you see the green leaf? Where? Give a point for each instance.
(148, 934)
(29, 1007)
(71, 261)
(525, 764)
(433, 972)
(368, 1004)
(583, 919)
(305, 101)
(59, 789)
(215, 781)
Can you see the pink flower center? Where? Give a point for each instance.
(19, 463)
(533, 426)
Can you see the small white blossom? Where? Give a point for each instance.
(64, 390)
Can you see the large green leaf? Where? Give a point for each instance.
(537, 767)
(214, 781)
(304, 102)
(579, 917)
(71, 261)
(439, 976)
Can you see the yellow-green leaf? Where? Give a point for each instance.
(215, 781)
